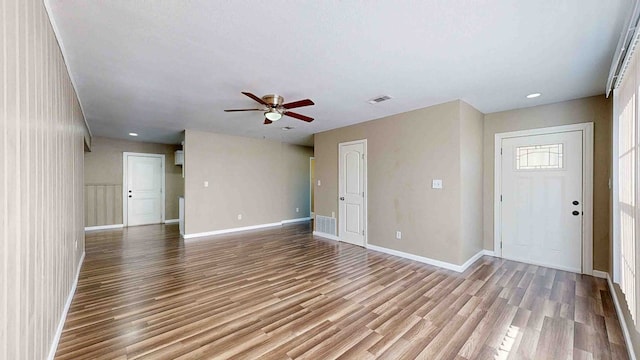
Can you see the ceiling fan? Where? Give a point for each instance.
(273, 107)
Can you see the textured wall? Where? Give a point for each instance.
(41, 164)
(265, 181)
(596, 109)
(102, 204)
(103, 176)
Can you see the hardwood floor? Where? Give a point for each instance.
(281, 293)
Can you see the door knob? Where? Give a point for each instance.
(575, 213)
(341, 198)
(575, 202)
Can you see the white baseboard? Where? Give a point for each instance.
(295, 220)
(63, 317)
(326, 236)
(244, 228)
(489, 252)
(623, 323)
(103, 227)
(600, 274)
(232, 230)
(172, 221)
(475, 258)
(434, 262)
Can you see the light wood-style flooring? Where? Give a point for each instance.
(281, 293)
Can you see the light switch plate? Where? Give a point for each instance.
(436, 184)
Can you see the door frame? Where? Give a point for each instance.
(125, 211)
(311, 192)
(366, 190)
(587, 186)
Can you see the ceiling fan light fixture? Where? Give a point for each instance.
(274, 108)
(273, 115)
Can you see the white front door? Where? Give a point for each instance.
(351, 190)
(144, 189)
(542, 199)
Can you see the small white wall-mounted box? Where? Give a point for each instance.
(436, 184)
(179, 157)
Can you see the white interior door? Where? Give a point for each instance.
(144, 193)
(351, 184)
(542, 199)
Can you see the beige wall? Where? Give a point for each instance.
(264, 181)
(596, 109)
(41, 210)
(471, 177)
(405, 152)
(103, 179)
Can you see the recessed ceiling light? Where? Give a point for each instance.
(534, 95)
(133, 134)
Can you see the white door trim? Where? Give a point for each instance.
(311, 182)
(587, 186)
(366, 190)
(125, 215)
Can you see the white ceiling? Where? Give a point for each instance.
(158, 67)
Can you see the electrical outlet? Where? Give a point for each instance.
(398, 235)
(333, 214)
(206, 184)
(436, 184)
(297, 209)
(319, 183)
(239, 216)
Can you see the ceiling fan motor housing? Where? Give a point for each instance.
(273, 100)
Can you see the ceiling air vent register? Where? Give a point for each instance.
(379, 99)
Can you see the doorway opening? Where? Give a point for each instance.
(543, 204)
(352, 192)
(143, 188)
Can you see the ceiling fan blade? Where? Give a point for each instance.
(298, 116)
(299, 103)
(267, 121)
(235, 110)
(254, 98)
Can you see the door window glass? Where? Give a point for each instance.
(539, 157)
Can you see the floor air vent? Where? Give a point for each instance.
(325, 224)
